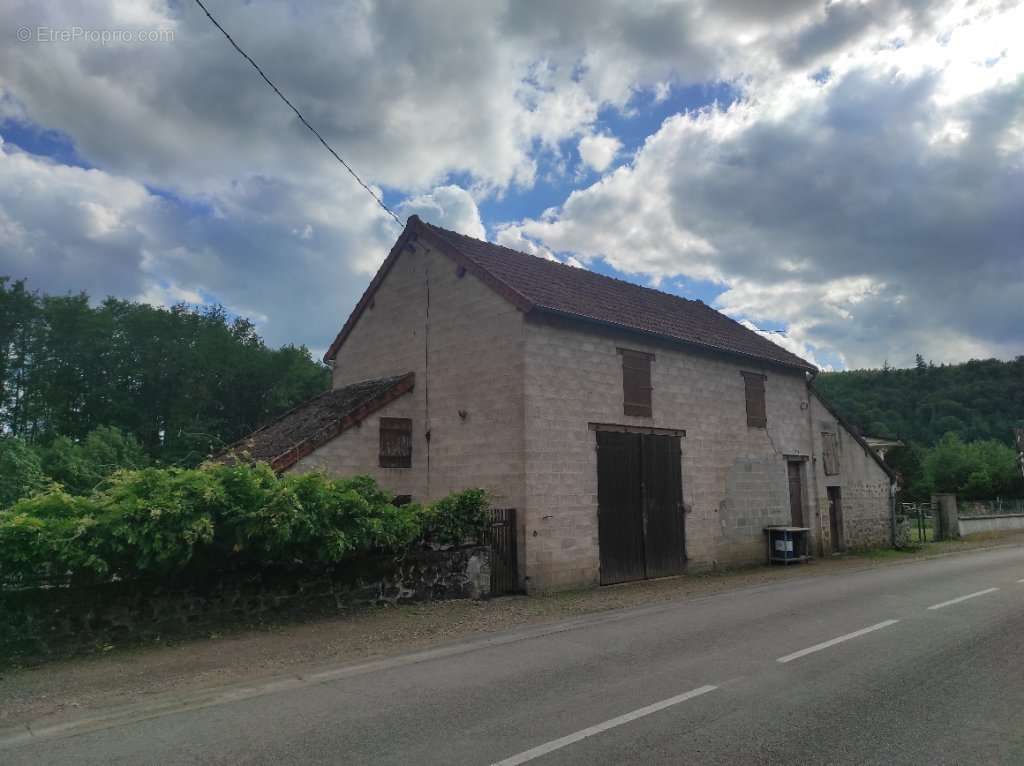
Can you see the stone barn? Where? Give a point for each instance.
(638, 434)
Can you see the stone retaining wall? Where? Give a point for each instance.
(972, 525)
(36, 623)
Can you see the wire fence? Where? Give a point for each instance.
(1001, 506)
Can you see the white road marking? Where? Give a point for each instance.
(834, 641)
(611, 723)
(963, 598)
(1022, 580)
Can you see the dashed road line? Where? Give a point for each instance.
(963, 598)
(834, 641)
(611, 723)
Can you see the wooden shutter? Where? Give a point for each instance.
(636, 383)
(757, 414)
(395, 443)
(830, 453)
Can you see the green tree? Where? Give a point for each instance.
(183, 381)
(20, 471)
(81, 466)
(981, 470)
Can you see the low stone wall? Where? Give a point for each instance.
(972, 525)
(36, 623)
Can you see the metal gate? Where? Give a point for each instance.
(639, 500)
(922, 520)
(504, 553)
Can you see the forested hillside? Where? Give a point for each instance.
(976, 400)
(182, 381)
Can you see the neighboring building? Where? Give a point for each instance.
(637, 433)
(882, 445)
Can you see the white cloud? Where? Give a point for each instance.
(450, 207)
(790, 343)
(68, 228)
(513, 237)
(874, 214)
(598, 151)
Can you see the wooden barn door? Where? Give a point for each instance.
(639, 500)
(663, 505)
(619, 499)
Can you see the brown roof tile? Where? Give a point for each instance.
(537, 284)
(311, 424)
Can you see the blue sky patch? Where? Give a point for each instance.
(41, 141)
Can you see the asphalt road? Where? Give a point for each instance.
(885, 666)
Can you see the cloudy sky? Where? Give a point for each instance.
(847, 176)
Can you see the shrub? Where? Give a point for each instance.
(172, 522)
(153, 520)
(50, 535)
(458, 518)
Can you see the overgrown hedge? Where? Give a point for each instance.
(182, 523)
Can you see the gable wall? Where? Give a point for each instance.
(465, 344)
(864, 487)
(734, 477)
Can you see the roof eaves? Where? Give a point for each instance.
(805, 367)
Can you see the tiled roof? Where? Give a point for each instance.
(556, 287)
(539, 285)
(311, 424)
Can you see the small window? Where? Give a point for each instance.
(636, 382)
(395, 443)
(757, 415)
(830, 453)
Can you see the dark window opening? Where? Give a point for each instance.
(757, 414)
(395, 443)
(636, 383)
(401, 500)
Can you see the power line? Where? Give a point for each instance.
(298, 114)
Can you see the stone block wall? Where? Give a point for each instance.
(734, 476)
(465, 344)
(42, 622)
(865, 489)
